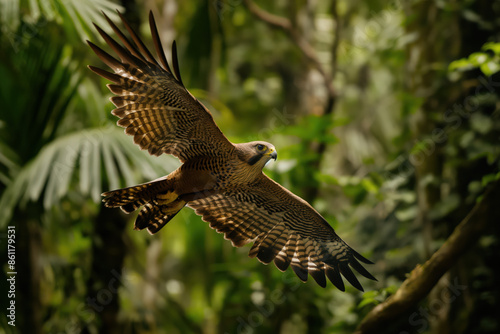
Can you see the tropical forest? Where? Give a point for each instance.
(384, 117)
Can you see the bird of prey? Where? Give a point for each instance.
(221, 181)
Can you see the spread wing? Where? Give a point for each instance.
(152, 102)
(284, 228)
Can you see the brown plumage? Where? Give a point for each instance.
(221, 181)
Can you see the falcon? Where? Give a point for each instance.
(221, 181)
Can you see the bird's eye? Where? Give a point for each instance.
(261, 147)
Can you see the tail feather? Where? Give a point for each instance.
(131, 207)
(131, 198)
(159, 202)
(154, 216)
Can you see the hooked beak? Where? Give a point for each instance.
(273, 154)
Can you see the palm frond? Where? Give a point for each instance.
(9, 161)
(32, 108)
(76, 161)
(75, 16)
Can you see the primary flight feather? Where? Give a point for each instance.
(223, 182)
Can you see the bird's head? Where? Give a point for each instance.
(257, 153)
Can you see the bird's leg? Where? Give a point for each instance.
(167, 197)
(173, 207)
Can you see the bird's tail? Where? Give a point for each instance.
(159, 201)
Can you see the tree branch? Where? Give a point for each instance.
(312, 191)
(278, 22)
(424, 277)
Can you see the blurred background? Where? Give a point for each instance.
(385, 115)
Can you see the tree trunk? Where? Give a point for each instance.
(108, 253)
(28, 250)
(442, 36)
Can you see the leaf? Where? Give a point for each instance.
(96, 172)
(110, 166)
(11, 196)
(123, 164)
(42, 167)
(466, 139)
(368, 301)
(407, 214)
(10, 15)
(489, 68)
(495, 47)
(369, 185)
(481, 123)
(8, 157)
(460, 64)
(487, 63)
(489, 178)
(85, 166)
(478, 58)
(53, 172)
(314, 128)
(444, 207)
(327, 178)
(76, 15)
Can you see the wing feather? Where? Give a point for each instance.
(157, 43)
(272, 244)
(334, 276)
(284, 229)
(299, 261)
(319, 277)
(144, 52)
(123, 38)
(152, 103)
(282, 260)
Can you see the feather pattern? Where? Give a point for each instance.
(174, 117)
(221, 181)
(290, 235)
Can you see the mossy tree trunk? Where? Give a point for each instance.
(442, 35)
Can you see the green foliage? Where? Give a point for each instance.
(84, 153)
(24, 19)
(487, 60)
(308, 128)
(403, 129)
(375, 297)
